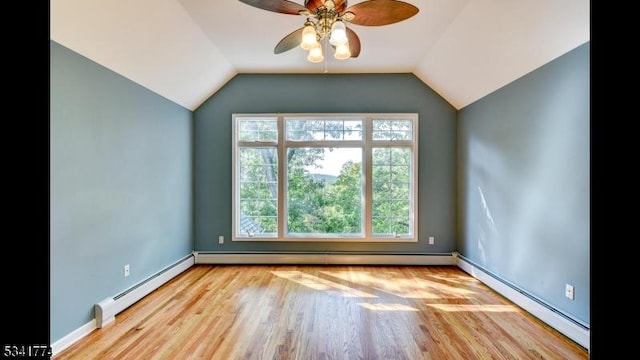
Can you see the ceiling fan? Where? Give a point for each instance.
(325, 21)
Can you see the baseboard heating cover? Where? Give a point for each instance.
(573, 329)
(323, 258)
(107, 309)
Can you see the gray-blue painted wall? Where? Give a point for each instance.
(523, 167)
(120, 186)
(343, 93)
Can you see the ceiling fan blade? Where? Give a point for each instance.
(312, 5)
(379, 12)
(279, 6)
(289, 42)
(354, 43)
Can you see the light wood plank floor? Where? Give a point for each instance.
(324, 312)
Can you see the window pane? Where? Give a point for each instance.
(392, 129)
(391, 190)
(353, 130)
(258, 181)
(400, 156)
(257, 129)
(333, 130)
(324, 191)
(311, 129)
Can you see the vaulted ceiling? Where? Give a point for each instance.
(186, 50)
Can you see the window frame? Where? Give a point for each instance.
(367, 144)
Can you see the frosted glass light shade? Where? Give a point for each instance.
(309, 37)
(342, 52)
(338, 34)
(315, 54)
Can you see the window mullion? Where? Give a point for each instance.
(282, 179)
(368, 187)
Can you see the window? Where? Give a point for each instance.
(325, 177)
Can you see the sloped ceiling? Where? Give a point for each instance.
(186, 50)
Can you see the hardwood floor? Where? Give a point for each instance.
(324, 312)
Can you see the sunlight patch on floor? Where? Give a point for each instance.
(474, 308)
(387, 307)
(407, 288)
(317, 283)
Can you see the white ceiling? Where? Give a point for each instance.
(186, 50)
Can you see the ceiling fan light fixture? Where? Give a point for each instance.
(315, 53)
(325, 20)
(338, 33)
(309, 36)
(342, 52)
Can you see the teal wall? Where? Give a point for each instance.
(523, 173)
(325, 93)
(120, 186)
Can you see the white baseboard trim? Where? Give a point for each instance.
(323, 258)
(72, 337)
(107, 309)
(569, 328)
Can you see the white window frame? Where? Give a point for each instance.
(367, 145)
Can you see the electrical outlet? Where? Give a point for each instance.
(126, 270)
(220, 239)
(432, 240)
(569, 291)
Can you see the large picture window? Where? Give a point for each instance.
(325, 177)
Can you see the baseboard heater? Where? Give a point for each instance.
(107, 309)
(573, 328)
(324, 258)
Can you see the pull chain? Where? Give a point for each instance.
(326, 46)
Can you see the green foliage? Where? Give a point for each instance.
(391, 190)
(258, 188)
(319, 207)
(316, 206)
